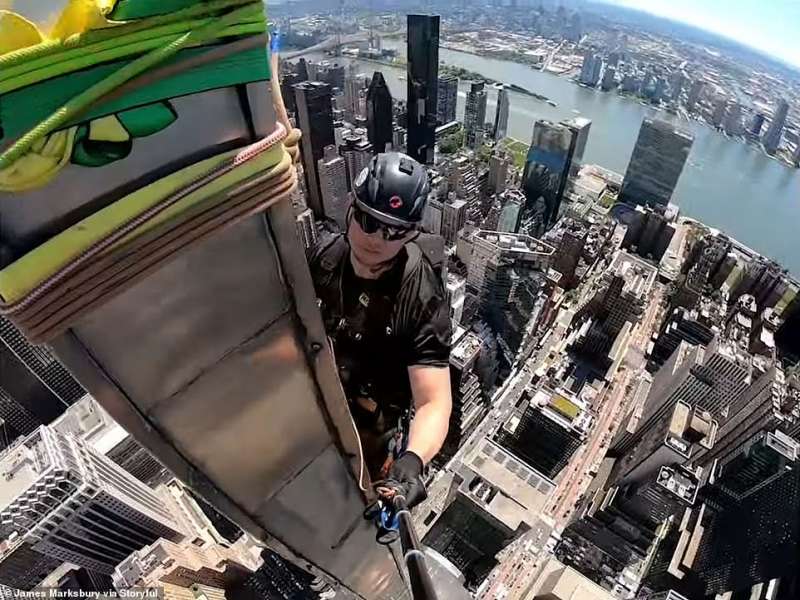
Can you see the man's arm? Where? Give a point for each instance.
(430, 387)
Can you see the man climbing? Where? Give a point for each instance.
(385, 312)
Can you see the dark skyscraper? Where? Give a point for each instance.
(656, 164)
(34, 387)
(422, 75)
(475, 115)
(379, 113)
(546, 169)
(447, 99)
(501, 114)
(546, 432)
(755, 126)
(315, 119)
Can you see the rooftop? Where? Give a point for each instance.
(566, 406)
(515, 242)
(21, 466)
(88, 420)
(528, 489)
(639, 275)
(465, 350)
(556, 581)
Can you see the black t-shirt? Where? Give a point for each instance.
(380, 327)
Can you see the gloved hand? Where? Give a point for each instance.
(405, 478)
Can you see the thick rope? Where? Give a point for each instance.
(94, 93)
(202, 9)
(69, 61)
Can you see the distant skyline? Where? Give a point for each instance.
(771, 26)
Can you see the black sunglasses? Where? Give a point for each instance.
(370, 224)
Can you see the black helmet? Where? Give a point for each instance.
(393, 188)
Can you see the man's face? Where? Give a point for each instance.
(371, 249)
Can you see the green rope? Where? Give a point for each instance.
(91, 95)
(47, 48)
(112, 50)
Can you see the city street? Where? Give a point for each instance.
(614, 405)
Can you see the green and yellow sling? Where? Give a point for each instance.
(90, 100)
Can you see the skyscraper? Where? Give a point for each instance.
(498, 172)
(454, 215)
(432, 216)
(649, 233)
(733, 119)
(656, 164)
(315, 120)
(69, 502)
(710, 379)
(766, 404)
(570, 248)
(756, 124)
(469, 405)
(579, 126)
(546, 430)
(356, 152)
(34, 388)
(333, 185)
(379, 113)
(646, 486)
(447, 99)
(475, 115)
(695, 91)
(590, 70)
(545, 176)
(676, 85)
(492, 248)
(422, 77)
(609, 79)
(353, 95)
(742, 541)
(511, 214)
(306, 228)
(501, 114)
(87, 420)
(772, 138)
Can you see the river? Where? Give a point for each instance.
(725, 183)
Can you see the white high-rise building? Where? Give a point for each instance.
(353, 96)
(333, 185)
(87, 420)
(356, 152)
(454, 216)
(68, 501)
(306, 228)
(772, 138)
(498, 172)
(492, 246)
(455, 291)
(432, 216)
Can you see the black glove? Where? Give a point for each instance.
(405, 478)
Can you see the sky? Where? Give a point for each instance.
(772, 26)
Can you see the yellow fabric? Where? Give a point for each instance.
(45, 159)
(78, 16)
(23, 275)
(108, 129)
(81, 15)
(51, 154)
(17, 32)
